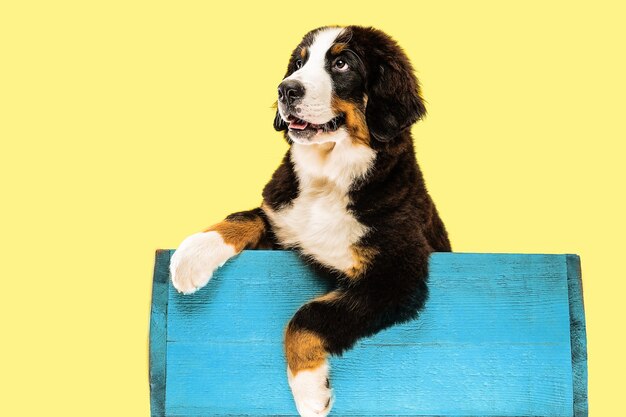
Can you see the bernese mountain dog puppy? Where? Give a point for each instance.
(348, 195)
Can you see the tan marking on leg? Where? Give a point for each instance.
(329, 298)
(240, 234)
(355, 120)
(304, 349)
(363, 257)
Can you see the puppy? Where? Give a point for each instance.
(348, 195)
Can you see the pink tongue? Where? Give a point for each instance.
(298, 126)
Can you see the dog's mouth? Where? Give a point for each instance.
(305, 129)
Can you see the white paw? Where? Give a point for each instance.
(195, 260)
(311, 391)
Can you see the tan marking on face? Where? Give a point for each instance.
(355, 120)
(240, 234)
(363, 257)
(337, 48)
(302, 53)
(304, 349)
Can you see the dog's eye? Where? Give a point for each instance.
(298, 63)
(341, 65)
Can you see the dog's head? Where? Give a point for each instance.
(347, 82)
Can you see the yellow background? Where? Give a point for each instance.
(126, 126)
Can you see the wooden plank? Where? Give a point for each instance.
(158, 333)
(232, 379)
(494, 339)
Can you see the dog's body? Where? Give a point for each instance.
(348, 195)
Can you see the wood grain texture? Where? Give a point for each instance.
(578, 336)
(158, 333)
(493, 340)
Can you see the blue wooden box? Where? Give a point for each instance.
(501, 335)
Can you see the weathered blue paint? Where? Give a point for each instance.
(501, 335)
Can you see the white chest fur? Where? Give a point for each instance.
(318, 221)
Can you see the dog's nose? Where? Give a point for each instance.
(289, 91)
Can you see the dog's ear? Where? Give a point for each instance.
(394, 100)
(279, 123)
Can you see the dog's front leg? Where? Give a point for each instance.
(199, 255)
(361, 306)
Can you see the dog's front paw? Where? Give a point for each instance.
(311, 391)
(195, 260)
